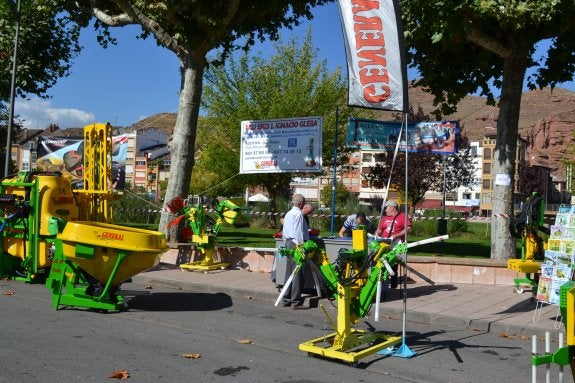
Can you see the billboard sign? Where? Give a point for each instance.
(283, 145)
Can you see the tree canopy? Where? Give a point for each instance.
(290, 83)
(48, 43)
(463, 47)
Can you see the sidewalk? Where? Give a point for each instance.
(493, 308)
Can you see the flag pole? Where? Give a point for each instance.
(334, 173)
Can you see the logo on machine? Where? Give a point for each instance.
(63, 200)
(108, 235)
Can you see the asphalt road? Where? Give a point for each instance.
(236, 339)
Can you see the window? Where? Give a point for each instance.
(367, 157)
(141, 163)
(166, 162)
(466, 196)
(485, 198)
(487, 168)
(487, 153)
(486, 184)
(380, 157)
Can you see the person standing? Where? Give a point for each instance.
(352, 222)
(393, 226)
(295, 232)
(307, 210)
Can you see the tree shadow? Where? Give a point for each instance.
(180, 301)
(416, 291)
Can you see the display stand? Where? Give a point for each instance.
(557, 268)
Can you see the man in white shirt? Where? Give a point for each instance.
(295, 232)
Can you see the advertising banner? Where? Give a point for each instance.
(66, 155)
(376, 66)
(432, 136)
(285, 145)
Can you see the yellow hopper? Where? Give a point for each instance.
(92, 259)
(95, 247)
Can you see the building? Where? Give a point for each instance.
(487, 181)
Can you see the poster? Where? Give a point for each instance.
(66, 155)
(277, 146)
(431, 136)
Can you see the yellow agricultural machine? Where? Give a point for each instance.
(51, 232)
(353, 280)
(202, 228)
(530, 228)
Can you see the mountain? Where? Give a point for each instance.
(546, 122)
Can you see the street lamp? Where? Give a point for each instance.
(12, 88)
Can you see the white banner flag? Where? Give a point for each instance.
(376, 67)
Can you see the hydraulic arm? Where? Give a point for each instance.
(202, 228)
(352, 280)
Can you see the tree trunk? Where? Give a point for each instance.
(503, 168)
(183, 140)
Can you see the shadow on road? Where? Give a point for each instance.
(417, 291)
(180, 301)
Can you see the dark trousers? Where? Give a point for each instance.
(293, 292)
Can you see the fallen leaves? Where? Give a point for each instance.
(524, 337)
(507, 336)
(120, 374)
(192, 356)
(149, 287)
(8, 293)
(245, 341)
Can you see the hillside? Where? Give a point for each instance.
(547, 120)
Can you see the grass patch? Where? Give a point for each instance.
(246, 237)
(475, 242)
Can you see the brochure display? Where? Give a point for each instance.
(557, 268)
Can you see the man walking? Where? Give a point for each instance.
(295, 232)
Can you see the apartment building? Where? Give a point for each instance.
(487, 179)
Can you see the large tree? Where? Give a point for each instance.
(192, 29)
(290, 83)
(464, 46)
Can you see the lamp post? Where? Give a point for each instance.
(12, 90)
(442, 223)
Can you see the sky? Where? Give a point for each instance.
(136, 78)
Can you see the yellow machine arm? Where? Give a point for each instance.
(97, 194)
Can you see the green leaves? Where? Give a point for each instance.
(48, 43)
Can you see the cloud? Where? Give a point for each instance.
(38, 113)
